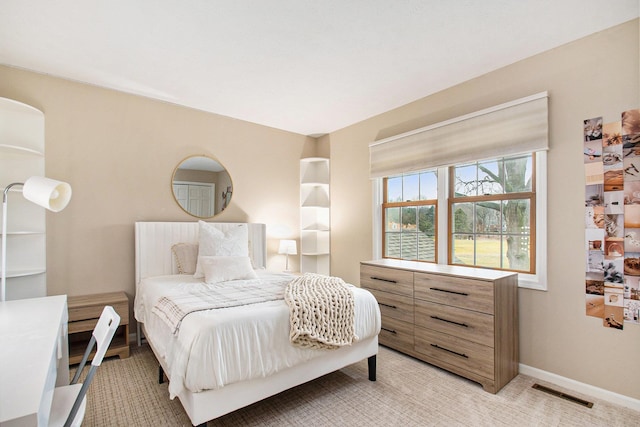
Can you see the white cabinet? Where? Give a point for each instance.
(314, 216)
(22, 156)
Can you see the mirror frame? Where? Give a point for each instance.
(222, 196)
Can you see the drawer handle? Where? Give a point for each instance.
(389, 330)
(450, 351)
(450, 321)
(384, 280)
(449, 292)
(387, 305)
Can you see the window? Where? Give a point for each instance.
(409, 216)
(491, 214)
(487, 213)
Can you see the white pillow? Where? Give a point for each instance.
(223, 268)
(214, 240)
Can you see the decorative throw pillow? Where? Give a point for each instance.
(186, 255)
(223, 268)
(221, 240)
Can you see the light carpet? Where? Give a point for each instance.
(407, 392)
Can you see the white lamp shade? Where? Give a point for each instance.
(288, 247)
(48, 193)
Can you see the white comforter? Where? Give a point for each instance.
(217, 347)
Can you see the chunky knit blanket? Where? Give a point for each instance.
(321, 312)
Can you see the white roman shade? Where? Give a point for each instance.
(516, 127)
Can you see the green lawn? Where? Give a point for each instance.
(487, 252)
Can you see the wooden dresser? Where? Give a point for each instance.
(464, 320)
(84, 312)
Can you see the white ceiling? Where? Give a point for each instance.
(306, 66)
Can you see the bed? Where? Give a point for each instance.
(220, 360)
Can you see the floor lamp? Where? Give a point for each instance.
(48, 193)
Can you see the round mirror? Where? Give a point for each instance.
(201, 186)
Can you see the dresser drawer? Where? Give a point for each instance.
(467, 355)
(470, 294)
(386, 279)
(465, 324)
(396, 334)
(396, 306)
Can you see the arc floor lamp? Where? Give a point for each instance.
(46, 192)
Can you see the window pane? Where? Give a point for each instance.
(465, 180)
(409, 245)
(392, 219)
(488, 251)
(518, 172)
(392, 245)
(409, 219)
(394, 189)
(463, 249)
(411, 187)
(426, 247)
(517, 215)
(488, 217)
(490, 178)
(427, 220)
(462, 218)
(428, 185)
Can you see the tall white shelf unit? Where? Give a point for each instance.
(314, 216)
(22, 156)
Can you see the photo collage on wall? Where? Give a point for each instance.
(612, 219)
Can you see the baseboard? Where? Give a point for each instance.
(589, 390)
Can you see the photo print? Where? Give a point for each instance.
(613, 271)
(631, 168)
(632, 239)
(593, 129)
(613, 316)
(613, 202)
(594, 173)
(612, 134)
(632, 263)
(632, 311)
(593, 151)
(613, 180)
(630, 122)
(612, 157)
(613, 248)
(614, 227)
(632, 191)
(594, 195)
(632, 216)
(594, 217)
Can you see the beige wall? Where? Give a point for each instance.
(594, 76)
(119, 152)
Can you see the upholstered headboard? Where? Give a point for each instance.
(154, 240)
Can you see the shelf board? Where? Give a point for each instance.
(314, 253)
(21, 233)
(20, 150)
(24, 273)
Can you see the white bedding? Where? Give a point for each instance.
(218, 347)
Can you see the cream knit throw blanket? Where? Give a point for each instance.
(321, 312)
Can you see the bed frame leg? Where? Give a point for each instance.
(371, 361)
(160, 374)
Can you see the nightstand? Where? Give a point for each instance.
(84, 312)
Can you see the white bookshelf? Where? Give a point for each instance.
(314, 216)
(22, 156)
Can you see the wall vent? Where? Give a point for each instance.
(563, 395)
